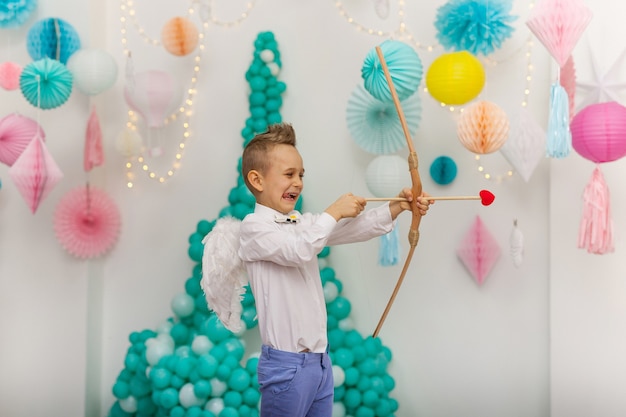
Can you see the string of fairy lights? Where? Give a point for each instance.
(402, 32)
(204, 10)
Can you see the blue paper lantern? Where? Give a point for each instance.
(13, 13)
(46, 83)
(53, 38)
(405, 69)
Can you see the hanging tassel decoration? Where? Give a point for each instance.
(389, 248)
(596, 226)
(559, 143)
(516, 242)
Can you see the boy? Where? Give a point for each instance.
(279, 249)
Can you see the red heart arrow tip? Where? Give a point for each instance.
(486, 197)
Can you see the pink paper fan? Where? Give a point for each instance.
(479, 251)
(93, 143)
(10, 75)
(87, 222)
(16, 132)
(558, 24)
(567, 78)
(35, 173)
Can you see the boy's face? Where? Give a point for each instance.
(282, 184)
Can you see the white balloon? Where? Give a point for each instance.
(215, 405)
(187, 398)
(267, 56)
(339, 376)
(129, 404)
(346, 324)
(339, 410)
(201, 345)
(330, 291)
(218, 387)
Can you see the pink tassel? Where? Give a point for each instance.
(596, 226)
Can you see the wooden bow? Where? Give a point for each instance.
(416, 189)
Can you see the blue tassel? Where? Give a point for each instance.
(559, 142)
(389, 248)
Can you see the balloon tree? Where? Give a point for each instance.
(193, 366)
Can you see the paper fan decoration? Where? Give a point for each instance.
(94, 156)
(375, 126)
(10, 75)
(478, 251)
(14, 13)
(87, 222)
(405, 70)
(477, 26)
(46, 83)
(567, 78)
(483, 127)
(526, 144)
(35, 173)
(16, 132)
(558, 24)
(180, 36)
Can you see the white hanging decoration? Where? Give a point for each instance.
(517, 245)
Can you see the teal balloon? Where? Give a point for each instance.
(219, 352)
(204, 227)
(249, 316)
(229, 412)
(180, 333)
(195, 237)
(202, 388)
(251, 396)
(235, 349)
(121, 390)
(336, 337)
(232, 399)
(340, 308)
(251, 365)
(132, 361)
(343, 357)
(353, 338)
(258, 83)
(245, 195)
(195, 251)
(239, 380)
(139, 385)
(169, 398)
(177, 411)
(352, 377)
(160, 377)
(383, 408)
(184, 367)
(372, 345)
(257, 98)
(207, 366)
(223, 372)
(370, 398)
(364, 412)
(324, 253)
(352, 398)
(274, 118)
(192, 286)
(368, 367)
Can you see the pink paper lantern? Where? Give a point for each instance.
(16, 132)
(35, 173)
(599, 132)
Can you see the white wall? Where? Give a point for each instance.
(459, 348)
(587, 291)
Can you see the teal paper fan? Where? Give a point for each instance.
(46, 83)
(405, 69)
(375, 125)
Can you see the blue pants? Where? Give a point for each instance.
(295, 384)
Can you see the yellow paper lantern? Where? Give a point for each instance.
(455, 78)
(483, 127)
(179, 36)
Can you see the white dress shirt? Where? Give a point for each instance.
(281, 261)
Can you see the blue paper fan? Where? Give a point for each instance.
(405, 69)
(46, 83)
(375, 125)
(52, 38)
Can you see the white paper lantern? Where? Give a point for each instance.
(94, 70)
(387, 175)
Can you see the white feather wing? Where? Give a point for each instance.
(223, 274)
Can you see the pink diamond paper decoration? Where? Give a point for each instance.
(558, 24)
(526, 144)
(478, 251)
(35, 173)
(16, 132)
(93, 143)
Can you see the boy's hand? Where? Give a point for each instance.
(397, 207)
(348, 205)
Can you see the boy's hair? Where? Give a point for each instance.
(255, 153)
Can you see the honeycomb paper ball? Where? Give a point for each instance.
(179, 36)
(483, 128)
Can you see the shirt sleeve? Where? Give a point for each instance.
(268, 241)
(369, 224)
